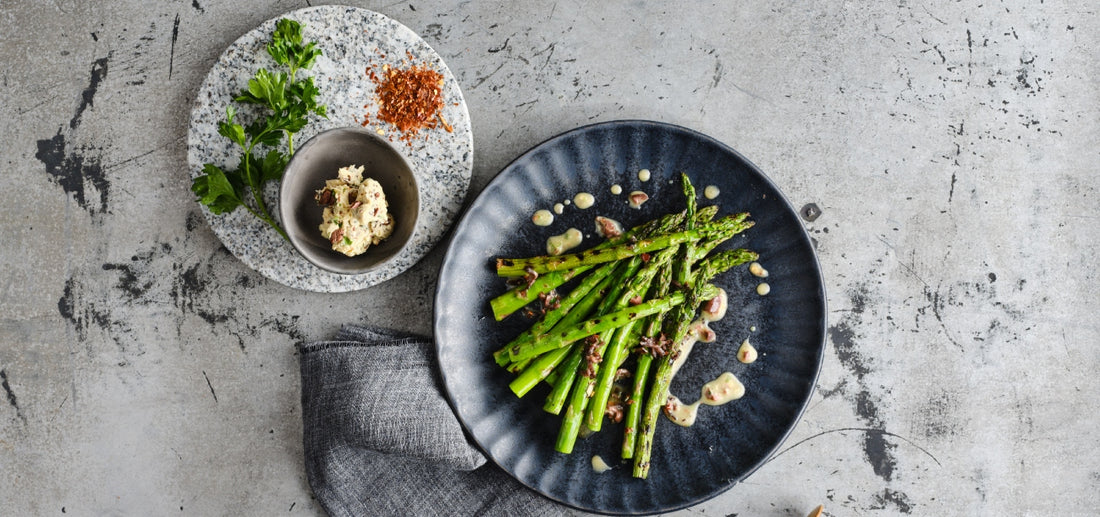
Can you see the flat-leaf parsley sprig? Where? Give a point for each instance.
(288, 103)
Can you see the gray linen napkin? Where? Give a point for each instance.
(380, 438)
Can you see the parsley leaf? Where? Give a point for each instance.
(287, 49)
(283, 107)
(215, 190)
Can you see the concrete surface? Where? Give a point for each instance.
(952, 147)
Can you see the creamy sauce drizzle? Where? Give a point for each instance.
(711, 192)
(584, 200)
(763, 289)
(700, 331)
(757, 270)
(643, 175)
(542, 218)
(714, 393)
(559, 208)
(599, 465)
(724, 389)
(559, 244)
(747, 353)
(616, 189)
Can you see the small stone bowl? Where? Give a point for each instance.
(318, 160)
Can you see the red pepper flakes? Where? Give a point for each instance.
(411, 99)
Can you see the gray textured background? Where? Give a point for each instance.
(952, 147)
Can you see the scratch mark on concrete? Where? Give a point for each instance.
(930, 15)
(907, 267)
(486, 77)
(937, 307)
(867, 430)
(551, 48)
(175, 34)
(494, 50)
(138, 156)
(211, 386)
(750, 94)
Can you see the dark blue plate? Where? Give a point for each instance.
(728, 442)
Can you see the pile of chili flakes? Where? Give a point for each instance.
(410, 99)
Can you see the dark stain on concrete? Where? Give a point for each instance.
(286, 325)
(876, 449)
(74, 172)
(66, 307)
(87, 97)
(195, 288)
(128, 281)
(843, 338)
(13, 401)
(893, 498)
(880, 455)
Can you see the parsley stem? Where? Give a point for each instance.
(257, 191)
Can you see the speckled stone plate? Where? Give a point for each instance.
(728, 442)
(352, 39)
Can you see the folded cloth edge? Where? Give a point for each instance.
(496, 493)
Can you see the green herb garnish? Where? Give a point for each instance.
(288, 103)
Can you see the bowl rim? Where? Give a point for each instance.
(285, 210)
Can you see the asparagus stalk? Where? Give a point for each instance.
(726, 226)
(593, 389)
(594, 326)
(555, 401)
(662, 377)
(569, 368)
(580, 397)
(575, 305)
(683, 271)
(538, 370)
(591, 352)
(619, 347)
(514, 300)
(641, 370)
(634, 406)
(518, 366)
(520, 296)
